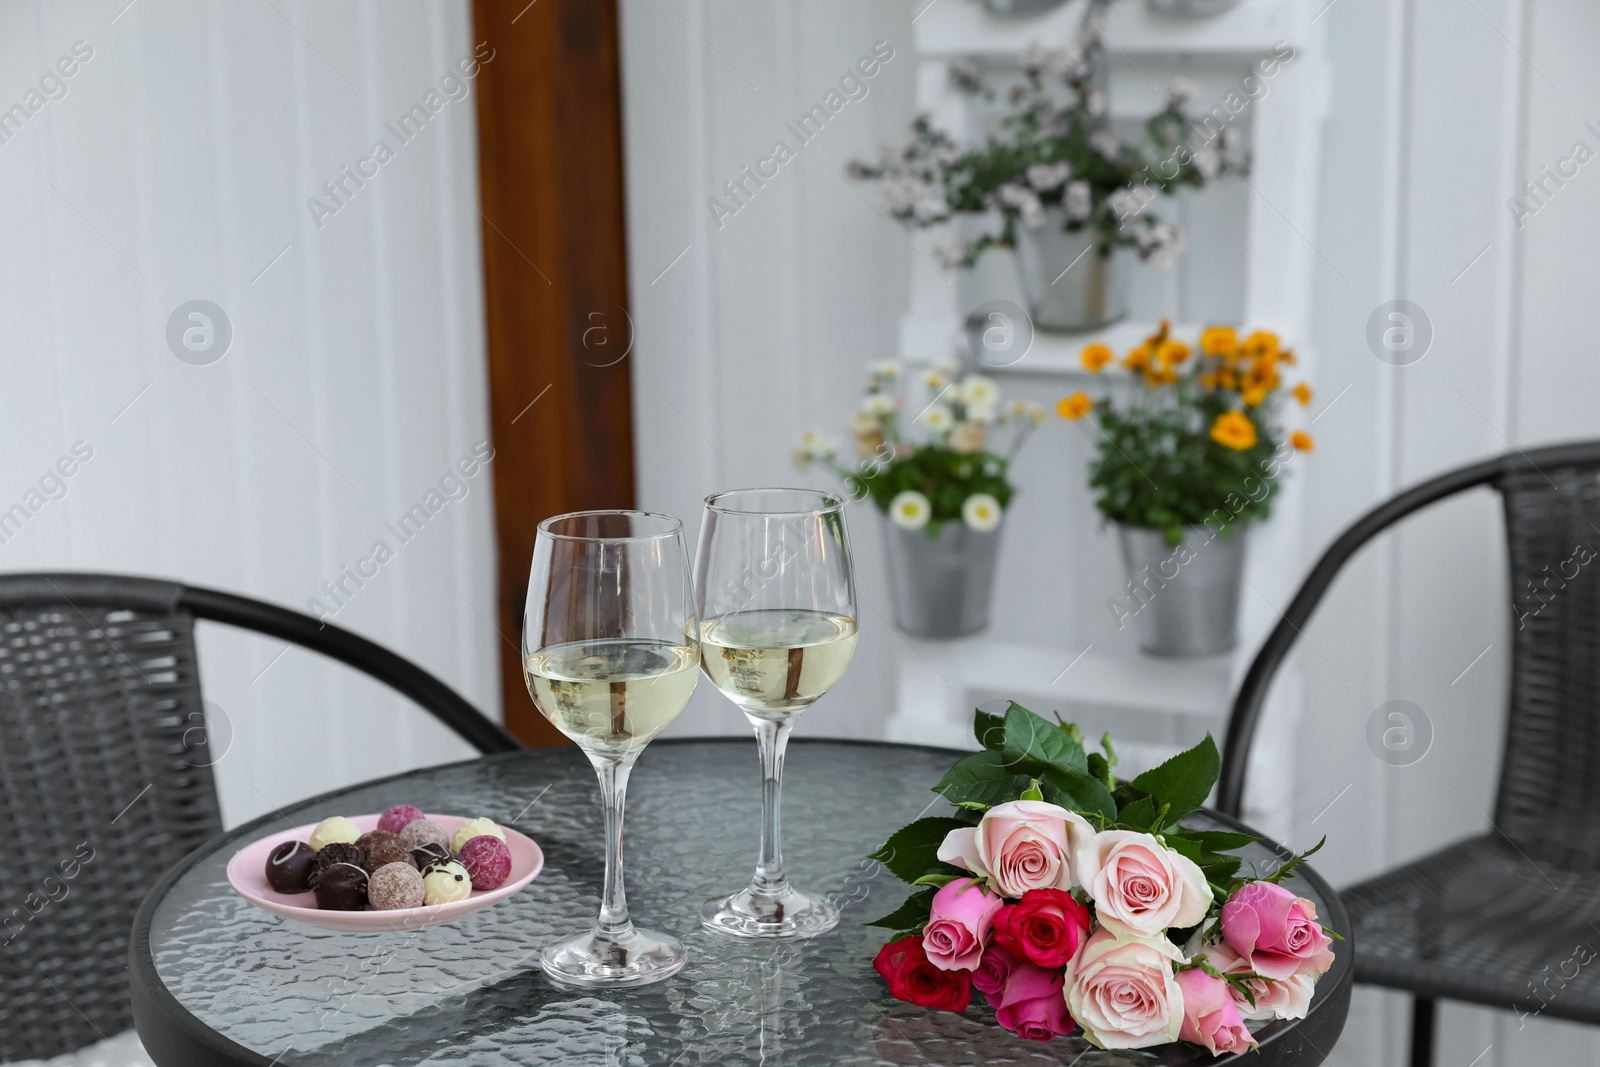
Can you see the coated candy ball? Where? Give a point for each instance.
(487, 860)
(474, 828)
(394, 886)
(446, 883)
(398, 818)
(334, 829)
(289, 867)
(424, 832)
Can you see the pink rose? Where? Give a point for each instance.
(1123, 993)
(959, 924)
(1275, 932)
(1283, 998)
(1139, 883)
(989, 978)
(1020, 845)
(1032, 1005)
(1209, 1015)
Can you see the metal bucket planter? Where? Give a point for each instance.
(1070, 282)
(941, 585)
(1185, 600)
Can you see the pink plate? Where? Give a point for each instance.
(247, 875)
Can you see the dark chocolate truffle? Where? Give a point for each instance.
(395, 885)
(341, 887)
(289, 867)
(381, 848)
(428, 854)
(339, 852)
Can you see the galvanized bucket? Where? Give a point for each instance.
(1070, 283)
(1184, 601)
(941, 585)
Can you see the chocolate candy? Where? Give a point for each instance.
(335, 828)
(398, 818)
(427, 855)
(289, 867)
(488, 860)
(446, 883)
(341, 887)
(339, 852)
(380, 848)
(394, 886)
(424, 832)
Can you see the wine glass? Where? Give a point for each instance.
(776, 601)
(610, 651)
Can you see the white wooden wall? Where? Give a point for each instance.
(177, 166)
(1438, 109)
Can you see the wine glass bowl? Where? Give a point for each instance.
(775, 595)
(610, 651)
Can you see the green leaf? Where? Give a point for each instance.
(1185, 780)
(1031, 739)
(912, 915)
(989, 729)
(1138, 815)
(984, 778)
(1220, 840)
(1084, 794)
(942, 878)
(1183, 846)
(913, 851)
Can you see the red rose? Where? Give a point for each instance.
(912, 977)
(1045, 927)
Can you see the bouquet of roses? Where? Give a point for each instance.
(1070, 898)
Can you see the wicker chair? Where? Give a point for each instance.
(1501, 919)
(105, 777)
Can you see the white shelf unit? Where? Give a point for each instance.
(1249, 262)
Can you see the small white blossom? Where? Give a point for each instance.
(1046, 176)
(1181, 92)
(1125, 203)
(878, 404)
(975, 390)
(949, 254)
(981, 512)
(1095, 103)
(910, 510)
(937, 419)
(1078, 201)
(1033, 57)
(1161, 244)
(889, 369)
(1208, 162)
(1105, 143)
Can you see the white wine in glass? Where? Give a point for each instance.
(776, 600)
(610, 651)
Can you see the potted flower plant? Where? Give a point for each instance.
(1059, 179)
(941, 484)
(1187, 462)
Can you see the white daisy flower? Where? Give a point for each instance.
(980, 512)
(878, 404)
(937, 419)
(910, 510)
(977, 391)
(888, 369)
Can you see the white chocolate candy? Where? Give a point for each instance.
(473, 828)
(446, 883)
(336, 828)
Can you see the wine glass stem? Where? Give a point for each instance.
(613, 774)
(771, 738)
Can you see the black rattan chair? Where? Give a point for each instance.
(105, 777)
(1506, 919)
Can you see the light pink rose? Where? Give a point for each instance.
(1020, 845)
(959, 924)
(1209, 1015)
(1123, 992)
(1032, 1005)
(1276, 932)
(1141, 886)
(1284, 998)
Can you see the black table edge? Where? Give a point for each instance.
(171, 1034)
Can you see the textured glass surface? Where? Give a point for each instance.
(471, 991)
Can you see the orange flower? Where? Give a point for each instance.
(1302, 441)
(1288, 357)
(1172, 353)
(1074, 407)
(1095, 357)
(1263, 375)
(1227, 379)
(1302, 393)
(1220, 341)
(1138, 358)
(1261, 343)
(1233, 429)
(1253, 395)
(1155, 377)
(1207, 380)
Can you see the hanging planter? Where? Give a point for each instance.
(1186, 464)
(943, 485)
(1070, 276)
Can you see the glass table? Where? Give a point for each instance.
(214, 980)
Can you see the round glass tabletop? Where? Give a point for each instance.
(216, 980)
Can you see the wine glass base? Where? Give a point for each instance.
(786, 914)
(638, 957)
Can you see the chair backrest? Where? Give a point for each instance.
(1549, 792)
(106, 782)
